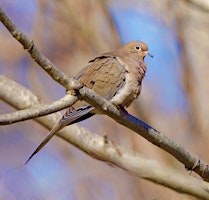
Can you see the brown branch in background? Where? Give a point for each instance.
(37, 55)
(181, 154)
(110, 152)
(188, 79)
(86, 30)
(199, 4)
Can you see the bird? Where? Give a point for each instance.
(117, 76)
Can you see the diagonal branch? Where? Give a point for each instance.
(181, 154)
(110, 152)
(36, 54)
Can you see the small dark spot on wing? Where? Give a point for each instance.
(92, 82)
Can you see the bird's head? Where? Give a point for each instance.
(138, 48)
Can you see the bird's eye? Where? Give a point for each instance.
(137, 48)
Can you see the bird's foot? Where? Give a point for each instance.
(122, 109)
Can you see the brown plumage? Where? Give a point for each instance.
(116, 76)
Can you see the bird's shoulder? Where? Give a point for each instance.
(104, 74)
(105, 65)
(107, 55)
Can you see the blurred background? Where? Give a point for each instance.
(174, 97)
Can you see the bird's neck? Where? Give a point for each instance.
(135, 65)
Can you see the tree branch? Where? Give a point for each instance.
(36, 111)
(190, 161)
(37, 55)
(32, 111)
(105, 150)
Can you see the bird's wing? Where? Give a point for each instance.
(105, 76)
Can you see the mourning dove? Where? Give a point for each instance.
(116, 76)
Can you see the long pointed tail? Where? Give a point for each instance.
(56, 128)
(67, 119)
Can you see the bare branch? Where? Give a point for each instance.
(190, 161)
(110, 152)
(34, 111)
(37, 55)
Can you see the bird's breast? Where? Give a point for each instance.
(128, 92)
(132, 86)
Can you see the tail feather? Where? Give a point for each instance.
(70, 117)
(56, 128)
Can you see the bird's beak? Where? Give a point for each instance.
(149, 54)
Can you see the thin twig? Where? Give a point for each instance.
(37, 110)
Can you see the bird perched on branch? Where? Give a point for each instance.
(117, 76)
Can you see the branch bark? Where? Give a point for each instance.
(105, 150)
(37, 55)
(33, 110)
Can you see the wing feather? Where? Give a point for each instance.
(104, 75)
